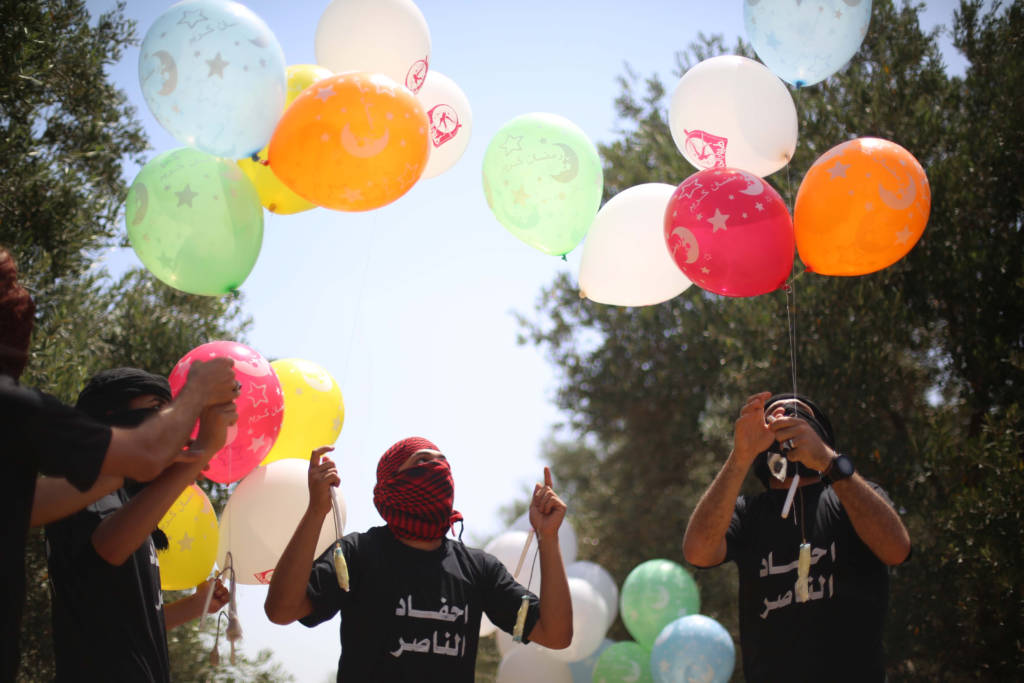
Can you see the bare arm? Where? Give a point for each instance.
(874, 520)
(188, 608)
(704, 541)
(554, 626)
(286, 599)
(143, 452)
(121, 534)
(56, 498)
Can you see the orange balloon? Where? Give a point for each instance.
(861, 207)
(353, 142)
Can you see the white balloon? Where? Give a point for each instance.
(589, 625)
(526, 664)
(451, 122)
(566, 534)
(389, 37)
(487, 627)
(598, 577)
(508, 548)
(732, 111)
(625, 261)
(261, 515)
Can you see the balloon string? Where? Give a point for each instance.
(791, 285)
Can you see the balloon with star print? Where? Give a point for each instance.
(260, 408)
(313, 409)
(806, 41)
(190, 525)
(195, 221)
(693, 648)
(213, 74)
(730, 233)
(861, 207)
(656, 593)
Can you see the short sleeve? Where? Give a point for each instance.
(67, 442)
(503, 596)
(322, 589)
(734, 535)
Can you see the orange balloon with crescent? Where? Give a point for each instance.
(352, 142)
(861, 207)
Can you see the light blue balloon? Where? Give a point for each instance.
(806, 42)
(693, 648)
(213, 74)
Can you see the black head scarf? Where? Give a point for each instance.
(818, 421)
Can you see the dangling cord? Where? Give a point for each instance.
(234, 629)
(215, 652)
(340, 565)
(524, 605)
(803, 566)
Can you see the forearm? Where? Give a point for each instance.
(142, 452)
(874, 520)
(704, 540)
(181, 611)
(554, 627)
(122, 533)
(286, 598)
(55, 498)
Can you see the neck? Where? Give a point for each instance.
(422, 545)
(804, 481)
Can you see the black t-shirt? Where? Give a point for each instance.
(837, 634)
(413, 615)
(108, 621)
(40, 434)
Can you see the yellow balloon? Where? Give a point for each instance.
(192, 534)
(275, 195)
(313, 409)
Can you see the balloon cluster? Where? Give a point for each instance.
(285, 409)
(353, 132)
(860, 208)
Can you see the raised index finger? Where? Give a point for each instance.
(314, 457)
(547, 477)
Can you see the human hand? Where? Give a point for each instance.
(801, 443)
(323, 474)
(214, 380)
(547, 510)
(213, 428)
(751, 434)
(219, 598)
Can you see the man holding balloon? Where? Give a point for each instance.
(411, 600)
(109, 620)
(44, 435)
(813, 550)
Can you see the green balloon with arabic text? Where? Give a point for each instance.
(543, 180)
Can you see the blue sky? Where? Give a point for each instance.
(410, 307)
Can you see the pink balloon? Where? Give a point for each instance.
(730, 232)
(260, 408)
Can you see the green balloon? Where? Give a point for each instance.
(625, 661)
(543, 181)
(655, 594)
(195, 221)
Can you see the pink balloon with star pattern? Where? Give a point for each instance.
(260, 408)
(730, 232)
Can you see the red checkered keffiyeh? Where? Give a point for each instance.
(416, 503)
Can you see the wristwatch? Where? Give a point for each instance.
(840, 468)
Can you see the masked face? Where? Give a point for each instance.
(415, 491)
(772, 462)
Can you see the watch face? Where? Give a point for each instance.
(843, 467)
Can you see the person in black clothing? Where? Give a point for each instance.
(41, 434)
(109, 618)
(412, 607)
(813, 558)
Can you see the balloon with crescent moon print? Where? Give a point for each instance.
(623, 662)
(804, 43)
(543, 181)
(861, 207)
(213, 74)
(352, 142)
(693, 648)
(655, 593)
(730, 232)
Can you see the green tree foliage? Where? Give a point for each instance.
(919, 365)
(67, 133)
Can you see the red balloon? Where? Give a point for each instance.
(730, 232)
(260, 408)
